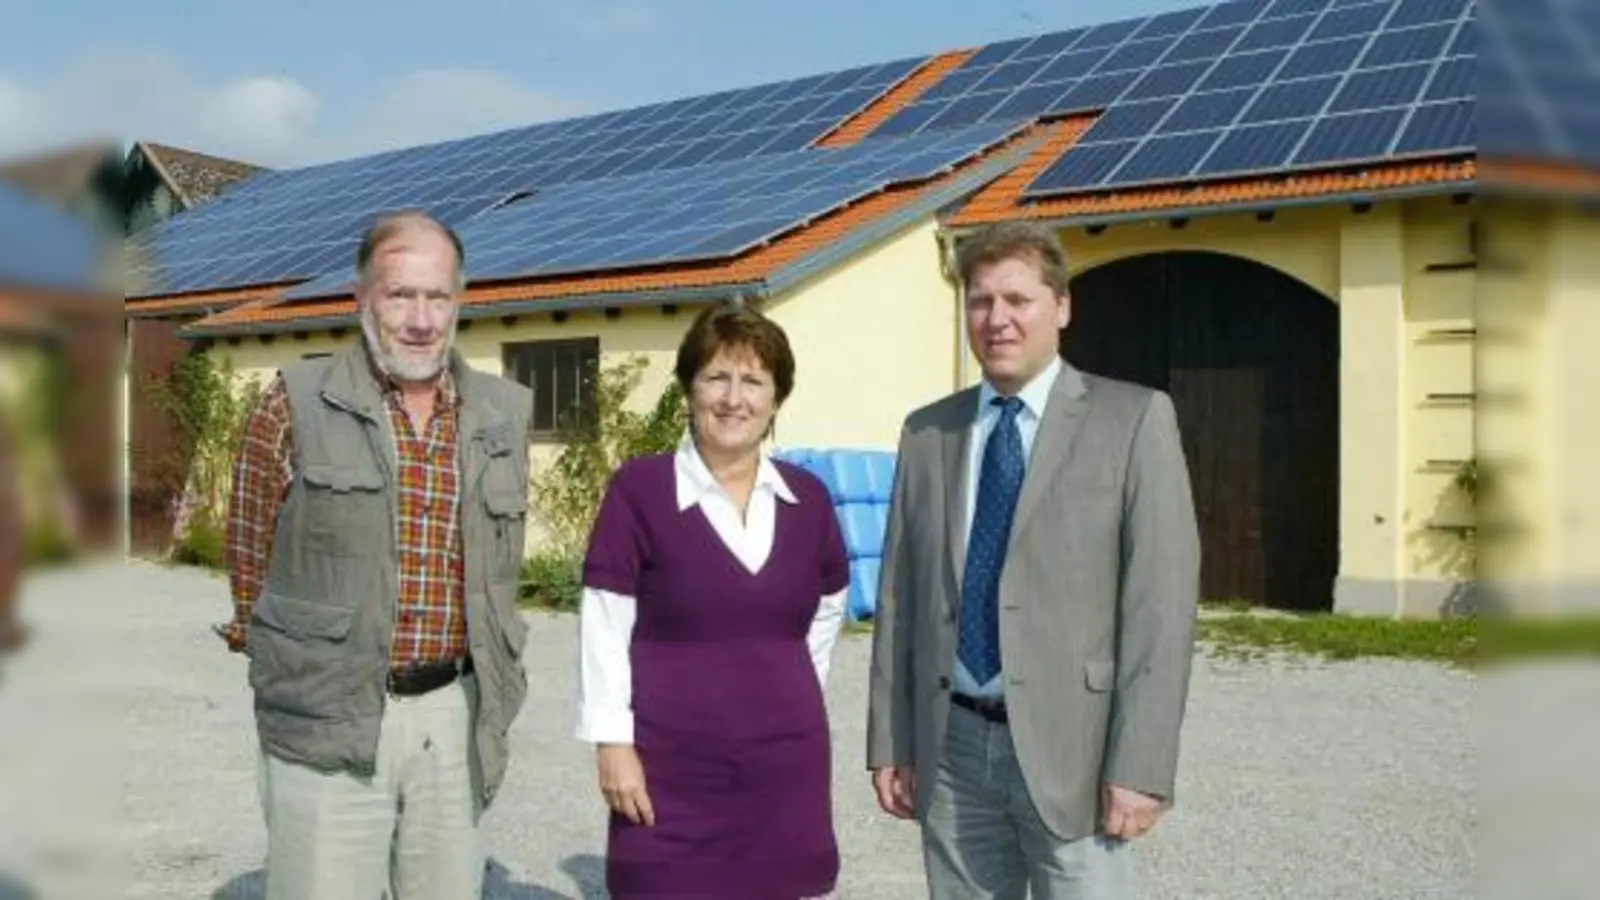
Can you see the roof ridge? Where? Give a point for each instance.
(159, 148)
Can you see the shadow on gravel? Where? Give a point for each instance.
(249, 886)
(588, 874)
(12, 889)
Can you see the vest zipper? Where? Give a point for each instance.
(394, 554)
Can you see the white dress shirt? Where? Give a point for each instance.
(1033, 395)
(605, 710)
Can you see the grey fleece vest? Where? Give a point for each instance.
(321, 628)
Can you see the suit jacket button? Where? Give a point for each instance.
(944, 683)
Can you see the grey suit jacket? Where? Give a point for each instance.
(1097, 597)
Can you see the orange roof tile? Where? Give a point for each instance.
(752, 266)
(1003, 198)
(897, 98)
(199, 302)
(1539, 175)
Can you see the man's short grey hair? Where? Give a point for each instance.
(1029, 241)
(392, 224)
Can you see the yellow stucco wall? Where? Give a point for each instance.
(884, 318)
(873, 339)
(1540, 371)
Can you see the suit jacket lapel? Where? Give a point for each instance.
(1052, 445)
(957, 443)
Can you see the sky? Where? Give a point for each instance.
(283, 83)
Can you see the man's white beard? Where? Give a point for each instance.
(403, 369)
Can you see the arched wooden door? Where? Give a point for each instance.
(1251, 359)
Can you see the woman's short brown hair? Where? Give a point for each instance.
(722, 328)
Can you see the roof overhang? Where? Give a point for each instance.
(1215, 210)
(498, 309)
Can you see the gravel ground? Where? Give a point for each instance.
(126, 768)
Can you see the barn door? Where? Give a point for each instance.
(1250, 357)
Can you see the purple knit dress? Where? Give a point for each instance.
(729, 719)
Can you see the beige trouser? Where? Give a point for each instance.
(410, 832)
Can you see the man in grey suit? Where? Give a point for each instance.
(1035, 620)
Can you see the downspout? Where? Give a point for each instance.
(125, 435)
(947, 263)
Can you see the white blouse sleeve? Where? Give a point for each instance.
(825, 632)
(605, 701)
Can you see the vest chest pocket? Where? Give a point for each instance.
(505, 499)
(342, 505)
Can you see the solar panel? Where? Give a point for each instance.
(289, 225)
(1538, 74)
(1295, 84)
(701, 213)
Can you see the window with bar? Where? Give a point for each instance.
(562, 376)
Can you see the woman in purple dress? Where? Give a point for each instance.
(714, 588)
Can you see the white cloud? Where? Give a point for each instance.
(617, 18)
(269, 119)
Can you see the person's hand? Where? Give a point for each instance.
(1129, 814)
(896, 787)
(234, 634)
(622, 783)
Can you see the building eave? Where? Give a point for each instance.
(1213, 210)
(496, 309)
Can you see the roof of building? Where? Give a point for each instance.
(196, 177)
(1218, 107)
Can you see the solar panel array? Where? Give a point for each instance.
(686, 215)
(1538, 80)
(1306, 83)
(1238, 88)
(299, 223)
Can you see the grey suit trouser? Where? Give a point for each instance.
(983, 838)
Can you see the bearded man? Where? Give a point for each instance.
(374, 541)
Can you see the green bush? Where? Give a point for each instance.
(552, 581)
(201, 545)
(208, 405)
(566, 494)
(47, 545)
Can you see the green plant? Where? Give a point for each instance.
(566, 494)
(1341, 637)
(48, 545)
(201, 544)
(207, 404)
(552, 581)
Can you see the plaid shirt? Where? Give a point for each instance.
(430, 624)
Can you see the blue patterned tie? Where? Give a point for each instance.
(999, 483)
